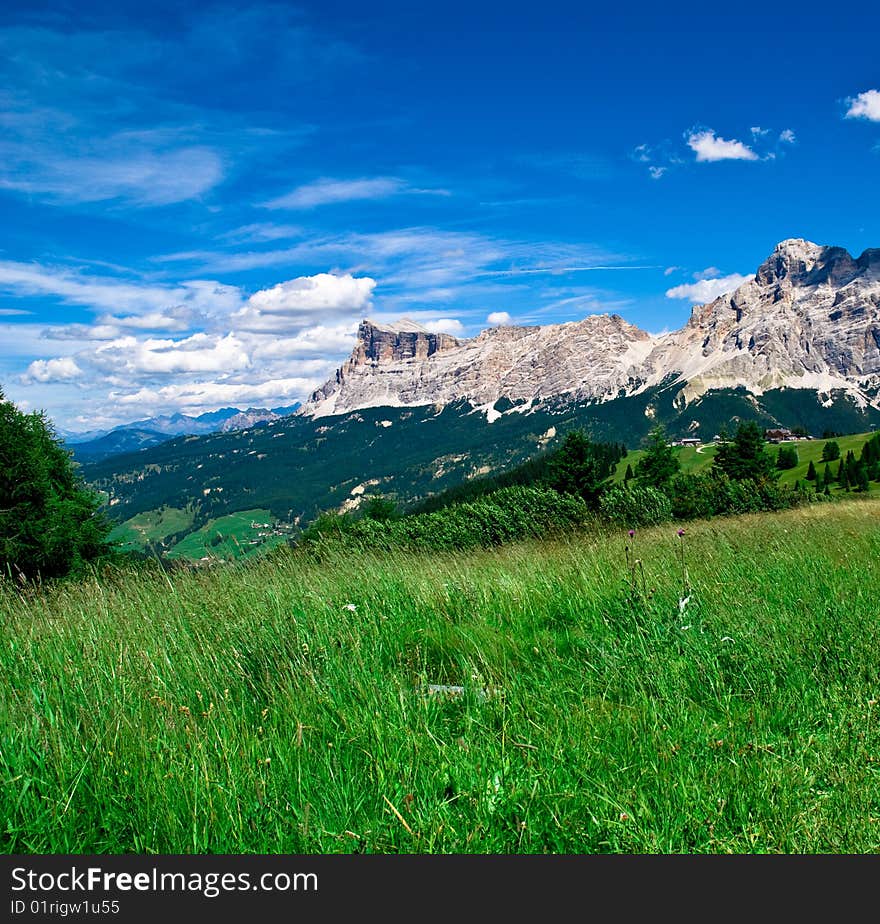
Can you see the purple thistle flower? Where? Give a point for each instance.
(632, 533)
(680, 532)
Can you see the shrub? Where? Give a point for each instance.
(635, 506)
(693, 497)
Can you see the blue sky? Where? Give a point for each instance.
(200, 204)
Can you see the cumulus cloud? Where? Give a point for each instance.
(444, 326)
(279, 345)
(707, 290)
(498, 317)
(197, 396)
(199, 353)
(787, 136)
(63, 369)
(864, 106)
(710, 147)
(299, 301)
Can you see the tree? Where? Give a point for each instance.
(49, 520)
(579, 467)
(628, 474)
(831, 451)
(380, 508)
(786, 458)
(811, 471)
(827, 477)
(743, 457)
(659, 465)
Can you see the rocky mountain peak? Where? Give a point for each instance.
(809, 318)
(798, 262)
(405, 339)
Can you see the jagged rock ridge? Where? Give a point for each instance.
(809, 318)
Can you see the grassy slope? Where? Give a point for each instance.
(152, 526)
(693, 461)
(246, 708)
(228, 537)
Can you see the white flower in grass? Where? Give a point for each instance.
(351, 607)
(682, 603)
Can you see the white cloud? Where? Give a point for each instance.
(787, 136)
(296, 303)
(707, 290)
(710, 272)
(140, 168)
(657, 172)
(865, 106)
(35, 279)
(498, 317)
(328, 191)
(260, 232)
(199, 353)
(445, 326)
(670, 270)
(710, 147)
(63, 369)
(199, 396)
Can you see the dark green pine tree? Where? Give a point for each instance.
(578, 468)
(811, 471)
(830, 451)
(744, 456)
(841, 474)
(49, 520)
(827, 491)
(659, 465)
(860, 477)
(786, 458)
(628, 475)
(827, 477)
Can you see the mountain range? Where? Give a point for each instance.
(142, 434)
(411, 412)
(809, 319)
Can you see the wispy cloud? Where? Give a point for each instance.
(91, 115)
(112, 294)
(328, 191)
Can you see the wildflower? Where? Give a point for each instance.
(632, 533)
(682, 603)
(351, 607)
(680, 532)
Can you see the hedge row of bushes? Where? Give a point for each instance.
(507, 514)
(691, 497)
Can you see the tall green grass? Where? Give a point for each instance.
(284, 705)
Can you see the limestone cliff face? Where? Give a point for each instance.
(406, 365)
(810, 318)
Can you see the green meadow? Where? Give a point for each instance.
(717, 692)
(236, 535)
(699, 459)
